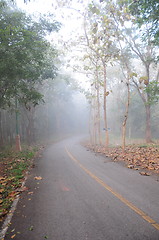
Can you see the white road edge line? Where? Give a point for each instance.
(8, 219)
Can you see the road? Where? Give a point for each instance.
(84, 196)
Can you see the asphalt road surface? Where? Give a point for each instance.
(84, 196)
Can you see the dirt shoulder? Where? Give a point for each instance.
(143, 158)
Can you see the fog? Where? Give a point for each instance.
(63, 113)
(99, 85)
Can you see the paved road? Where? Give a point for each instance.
(84, 196)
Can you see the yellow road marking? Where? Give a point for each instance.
(122, 199)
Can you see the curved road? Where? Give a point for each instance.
(84, 196)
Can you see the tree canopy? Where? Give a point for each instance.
(23, 54)
(145, 12)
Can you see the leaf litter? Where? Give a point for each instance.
(144, 158)
(13, 169)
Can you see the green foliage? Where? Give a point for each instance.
(153, 91)
(23, 49)
(132, 74)
(145, 12)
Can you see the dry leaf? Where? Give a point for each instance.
(22, 189)
(1, 190)
(2, 178)
(13, 236)
(144, 174)
(38, 178)
(30, 193)
(130, 166)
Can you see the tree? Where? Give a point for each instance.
(23, 57)
(21, 62)
(100, 37)
(142, 49)
(146, 12)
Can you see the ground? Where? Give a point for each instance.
(13, 168)
(75, 193)
(144, 158)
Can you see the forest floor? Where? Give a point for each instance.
(144, 158)
(13, 170)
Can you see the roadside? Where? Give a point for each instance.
(13, 170)
(143, 158)
(91, 198)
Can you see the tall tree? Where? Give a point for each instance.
(23, 49)
(142, 48)
(100, 36)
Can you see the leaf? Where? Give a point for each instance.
(2, 178)
(31, 228)
(133, 74)
(30, 193)
(144, 174)
(13, 236)
(131, 166)
(2, 190)
(12, 194)
(106, 93)
(38, 178)
(22, 189)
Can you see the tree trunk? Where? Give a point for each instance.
(1, 130)
(105, 107)
(98, 109)
(125, 120)
(90, 125)
(17, 139)
(126, 113)
(148, 124)
(148, 110)
(94, 117)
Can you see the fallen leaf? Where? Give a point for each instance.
(130, 166)
(2, 190)
(30, 193)
(144, 174)
(38, 178)
(13, 236)
(31, 228)
(12, 194)
(22, 189)
(2, 178)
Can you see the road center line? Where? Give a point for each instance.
(117, 195)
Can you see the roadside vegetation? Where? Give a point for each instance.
(13, 170)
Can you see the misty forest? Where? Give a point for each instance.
(87, 68)
(101, 79)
